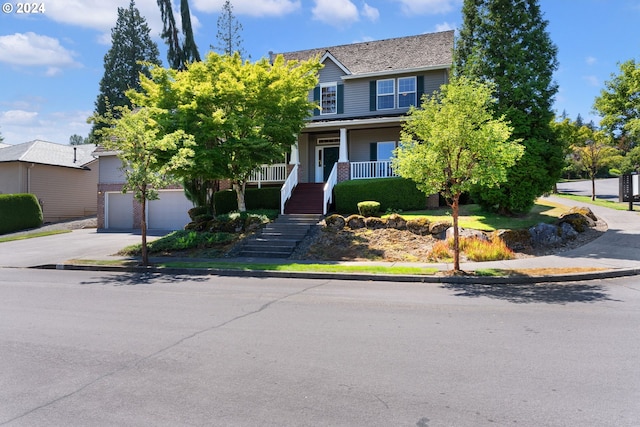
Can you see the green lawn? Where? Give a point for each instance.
(472, 216)
(597, 202)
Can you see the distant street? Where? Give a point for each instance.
(101, 349)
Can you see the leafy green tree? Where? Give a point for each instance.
(453, 142)
(131, 52)
(229, 29)
(182, 49)
(631, 161)
(619, 104)
(506, 42)
(76, 139)
(138, 140)
(594, 151)
(240, 114)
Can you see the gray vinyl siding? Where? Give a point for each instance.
(356, 92)
(110, 170)
(330, 73)
(360, 140)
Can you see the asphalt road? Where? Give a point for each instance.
(98, 349)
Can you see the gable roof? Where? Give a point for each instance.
(3, 145)
(433, 50)
(49, 153)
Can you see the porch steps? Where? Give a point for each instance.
(279, 238)
(306, 199)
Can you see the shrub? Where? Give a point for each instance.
(256, 198)
(369, 208)
(182, 240)
(19, 212)
(482, 250)
(440, 251)
(391, 193)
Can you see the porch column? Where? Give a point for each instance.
(344, 154)
(343, 157)
(295, 157)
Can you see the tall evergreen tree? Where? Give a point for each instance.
(182, 50)
(229, 29)
(132, 49)
(506, 42)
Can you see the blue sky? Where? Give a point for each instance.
(51, 62)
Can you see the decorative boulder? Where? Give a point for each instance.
(419, 226)
(334, 222)
(567, 232)
(355, 221)
(516, 240)
(397, 222)
(578, 220)
(439, 228)
(545, 235)
(375, 222)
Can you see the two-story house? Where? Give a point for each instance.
(364, 92)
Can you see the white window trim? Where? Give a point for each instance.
(325, 85)
(414, 91)
(378, 95)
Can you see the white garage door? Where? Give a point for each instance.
(169, 212)
(119, 210)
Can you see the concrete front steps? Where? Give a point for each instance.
(279, 238)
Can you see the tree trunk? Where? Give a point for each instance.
(143, 230)
(239, 186)
(455, 205)
(593, 187)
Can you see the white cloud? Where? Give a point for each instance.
(592, 80)
(445, 26)
(338, 13)
(371, 13)
(30, 49)
(428, 7)
(251, 7)
(18, 126)
(590, 60)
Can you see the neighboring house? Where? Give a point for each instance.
(4, 145)
(364, 91)
(62, 177)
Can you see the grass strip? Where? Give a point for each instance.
(597, 202)
(33, 235)
(296, 267)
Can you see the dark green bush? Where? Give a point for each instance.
(369, 208)
(392, 193)
(255, 198)
(19, 212)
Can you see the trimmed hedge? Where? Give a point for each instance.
(392, 193)
(255, 198)
(19, 212)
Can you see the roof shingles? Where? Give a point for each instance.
(49, 153)
(404, 53)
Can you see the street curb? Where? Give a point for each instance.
(462, 280)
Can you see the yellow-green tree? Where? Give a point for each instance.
(241, 114)
(139, 142)
(453, 142)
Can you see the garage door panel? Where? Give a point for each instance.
(169, 212)
(119, 211)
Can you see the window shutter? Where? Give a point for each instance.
(373, 96)
(420, 90)
(340, 99)
(373, 151)
(316, 99)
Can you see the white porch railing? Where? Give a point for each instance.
(374, 169)
(332, 180)
(287, 188)
(269, 174)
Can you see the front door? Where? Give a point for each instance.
(326, 157)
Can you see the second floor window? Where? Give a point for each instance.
(406, 92)
(386, 94)
(329, 98)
